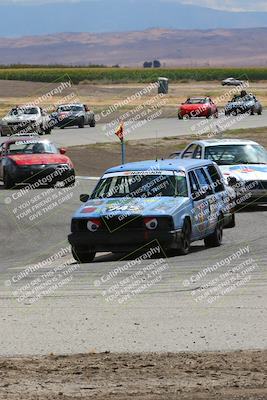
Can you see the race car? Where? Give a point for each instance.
(170, 202)
(25, 119)
(232, 82)
(243, 164)
(73, 115)
(198, 107)
(243, 104)
(32, 159)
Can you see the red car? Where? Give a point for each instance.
(198, 107)
(30, 159)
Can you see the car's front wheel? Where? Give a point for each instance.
(92, 124)
(215, 239)
(185, 241)
(8, 181)
(83, 256)
(81, 123)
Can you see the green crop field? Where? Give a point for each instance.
(124, 75)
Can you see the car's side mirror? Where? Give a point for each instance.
(62, 150)
(84, 198)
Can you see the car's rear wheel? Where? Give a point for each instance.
(83, 256)
(92, 124)
(208, 114)
(216, 114)
(48, 131)
(259, 112)
(180, 116)
(215, 239)
(185, 241)
(8, 181)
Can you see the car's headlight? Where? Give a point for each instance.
(93, 224)
(151, 223)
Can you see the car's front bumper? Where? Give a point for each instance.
(70, 121)
(45, 174)
(121, 241)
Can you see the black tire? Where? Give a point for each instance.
(8, 182)
(252, 111)
(62, 127)
(231, 224)
(234, 113)
(208, 114)
(81, 123)
(83, 256)
(216, 114)
(180, 116)
(92, 124)
(185, 242)
(259, 112)
(48, 131)
(215, 239)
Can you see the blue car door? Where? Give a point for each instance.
(200, 210)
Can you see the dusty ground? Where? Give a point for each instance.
(86, 158)
(184, 376)
(100, 96)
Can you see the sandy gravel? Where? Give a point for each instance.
(105, 376)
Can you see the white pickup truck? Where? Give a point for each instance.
(25, 120)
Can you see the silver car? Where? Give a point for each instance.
(232, 82)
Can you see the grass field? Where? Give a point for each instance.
(101, 96)
(79, 74)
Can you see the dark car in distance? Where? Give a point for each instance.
(73, 115)
(243, 104)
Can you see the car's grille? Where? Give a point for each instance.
(122, 223)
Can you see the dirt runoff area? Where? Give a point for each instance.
(105, 376)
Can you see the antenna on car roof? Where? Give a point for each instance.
(156, 145)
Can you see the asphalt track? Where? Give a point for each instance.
(160, 127)
(77, 316)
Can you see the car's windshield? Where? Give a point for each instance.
(30, 111)
(70, 108)
(31, 147)
(236, 154)
(196, 101)
(138, 185)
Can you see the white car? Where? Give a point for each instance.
(243, 164)
(232, 82)
(24, 120)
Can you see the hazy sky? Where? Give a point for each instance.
(231, 5)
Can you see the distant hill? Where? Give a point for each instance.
(220, 47)
(118, 16)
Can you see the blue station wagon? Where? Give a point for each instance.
(172, 201)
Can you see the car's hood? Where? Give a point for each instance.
(153, 206)
(192, 107)
(20, 118)
(245, 172)
(38, 159)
